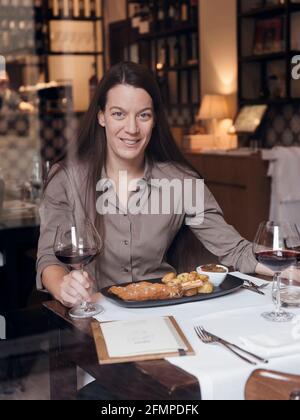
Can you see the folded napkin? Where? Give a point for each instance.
(273, 344)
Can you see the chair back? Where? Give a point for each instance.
(187, 252)
(264, 385)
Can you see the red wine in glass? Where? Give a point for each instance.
(277, 246)
(74, 258)
(278, 261)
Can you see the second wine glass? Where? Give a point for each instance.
(277, 246)
(77, 245)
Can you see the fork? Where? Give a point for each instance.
(209, 338)
(249, 285)
(262, 286)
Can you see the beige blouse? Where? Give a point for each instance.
(135, 245)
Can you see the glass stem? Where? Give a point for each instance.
(276, 293)
(86, 306)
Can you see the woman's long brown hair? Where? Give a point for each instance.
(90, 145)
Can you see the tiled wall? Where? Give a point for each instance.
(55, 132)
(17, 146)
(47, 136)
(282, 126)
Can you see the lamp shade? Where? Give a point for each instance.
(213, 107)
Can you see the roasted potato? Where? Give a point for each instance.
(184, 277)
(193, 276)
(203, 278)
(168, 278)
(207, 288)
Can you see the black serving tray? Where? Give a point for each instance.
(230, 285)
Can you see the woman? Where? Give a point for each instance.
(125, 130)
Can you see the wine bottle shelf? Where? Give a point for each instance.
(163, 35)
(268, 37)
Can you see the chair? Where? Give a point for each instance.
(266, 385)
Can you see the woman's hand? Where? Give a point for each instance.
(76, 288)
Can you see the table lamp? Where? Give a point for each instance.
(213, 108)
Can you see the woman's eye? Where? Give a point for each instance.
(145, 116)
(118, 114)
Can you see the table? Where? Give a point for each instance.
(72, 345)
(220, 374)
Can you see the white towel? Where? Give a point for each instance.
(275, 344)
(2, 328)
(285, 172)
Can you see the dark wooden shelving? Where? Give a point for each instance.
(264, 12)
(270, 11)
(263, 57)
(170, 48)
(49, 53)
(75, 19)
(268, 101)
(270, 68)
(183, 67)
(176, 31)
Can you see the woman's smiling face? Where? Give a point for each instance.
(128, 120)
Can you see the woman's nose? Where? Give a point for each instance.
(132, 125)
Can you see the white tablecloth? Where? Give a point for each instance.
(221, 374)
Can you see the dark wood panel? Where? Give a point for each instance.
(229, 196)
(272, 386)
(240, 185)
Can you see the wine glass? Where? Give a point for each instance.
(77, 245)
(36, 179)
(277, 246)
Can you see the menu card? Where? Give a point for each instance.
(145, 339)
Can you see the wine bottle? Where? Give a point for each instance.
(61, 8)
(76, 11)
(50, 8)
(171, 15)
(183, 50)
(87, 8)
(98, 7)
(166, 48)
(176, 52)
(55, 8)
(70, 7)
(160, 16)
(93, 8)
(194, 12)
(66, 8)
(184, 11)
(81, 8)
(136, 18)
(145, 21)
(195, 47)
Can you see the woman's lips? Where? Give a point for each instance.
(130, 143)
